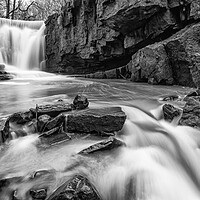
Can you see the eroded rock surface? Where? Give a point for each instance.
(100, 120)
(191, 112)
(90, 36)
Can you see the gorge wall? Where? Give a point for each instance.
(155, 41)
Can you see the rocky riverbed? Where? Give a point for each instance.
(60, 122)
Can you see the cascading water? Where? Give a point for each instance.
(160, 162)
(22, 43)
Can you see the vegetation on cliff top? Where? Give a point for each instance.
(29, 9)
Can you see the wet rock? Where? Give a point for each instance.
(3, 130)
(169, 98)
(77, 188)
(40, 194)
(54, 136)
(170, 112)
(80, 102)
(5, 76)
(52, 110)
(151, 64)
(21, 117)
(20, 123)
(55, 122)
(108, 120)
(42, 121)
(108, 144)
(191, 112)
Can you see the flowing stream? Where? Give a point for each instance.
(160, 160)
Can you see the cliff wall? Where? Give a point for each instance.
(89, 36)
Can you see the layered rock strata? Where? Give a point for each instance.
(88, 36)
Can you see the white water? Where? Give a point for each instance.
(22, 44)
(160, 162)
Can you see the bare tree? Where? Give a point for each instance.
(30, 10)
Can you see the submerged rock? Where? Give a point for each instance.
(77, 188)
(108, 144)
(40, 194)
(107, 120)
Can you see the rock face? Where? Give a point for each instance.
(151, 64)
(88, 36)
(191, 112)
(172, 61)
(101, 120)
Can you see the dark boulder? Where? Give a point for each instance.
(108, 144)
(80, 102)
(40, 194)
(77, 188)
(21, 117)
(107, 120)
(170, 112)
(3, 130)
(3, 74)
(191, 112)
(151, 64)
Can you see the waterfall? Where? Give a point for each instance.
(22, 43)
